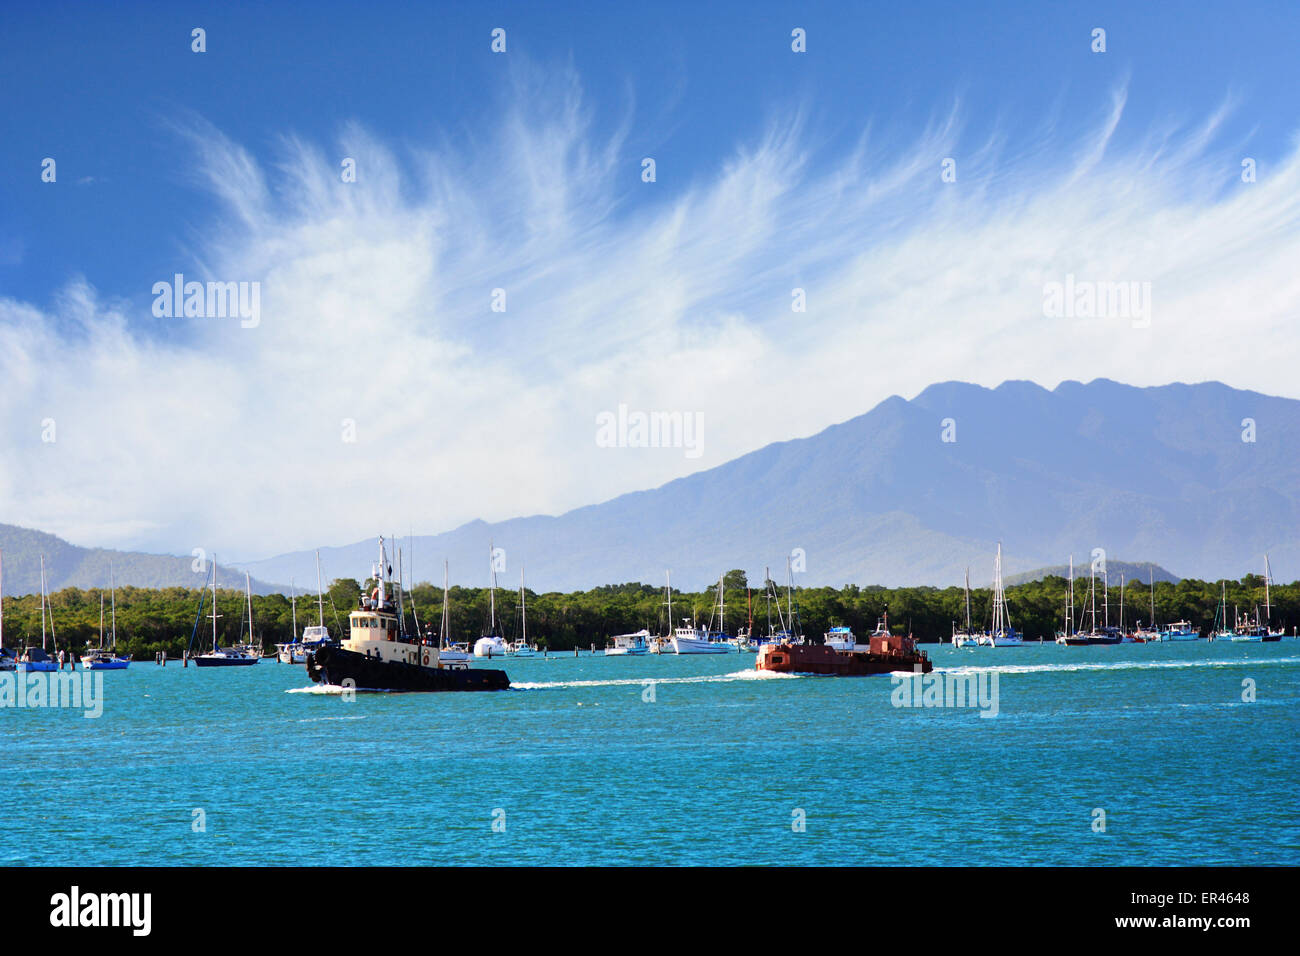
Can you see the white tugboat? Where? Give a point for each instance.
(376, 655)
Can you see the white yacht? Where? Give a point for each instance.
(965, 637)
(1002, 634)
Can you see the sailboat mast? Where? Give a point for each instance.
(1092, 595)
(293, 600)
(443, 625)
(1268, 608)
(1069, 623)
(767, 595)
(966, 588)
(492, 566)
(1151, 584)
(42, 602)
(112, 587)
(320, 597)
(214, 603)
(722, 607)
(1121, 601)
(1105, 596)
(523, 609)
(668, 586)
(248, 593)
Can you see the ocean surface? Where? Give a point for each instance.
(580, 763)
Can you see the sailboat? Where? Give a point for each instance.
(219, 656)
(491, 644)
(1220, 629)
(521, 647)
(1269, 635)
(1256, 630)
(102, 659)
(966, 637)
(447, 651)
(35, 658)
(7, 662)
(692, 639)
(1066, 634)
(1002, 634)
(287, 653)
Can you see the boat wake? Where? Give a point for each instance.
(333, 689)
(641, 682)
(1117, 666)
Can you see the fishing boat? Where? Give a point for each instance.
(36, 659)
(1001, 634)
(691, 639)
(629, 645)
(102, 658)
(492, 644)
(965, 637)
(379, 655)
(219, 656)
(1180, 631)
(883, 653)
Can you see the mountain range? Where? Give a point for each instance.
(67, 565)
(1160, 474)
(1200, 478)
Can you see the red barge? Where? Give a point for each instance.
(883, 654)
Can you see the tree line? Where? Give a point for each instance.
(165, 619)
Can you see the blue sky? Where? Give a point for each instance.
(96, 86)
(775, 170)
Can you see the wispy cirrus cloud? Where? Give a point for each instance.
(376, 310)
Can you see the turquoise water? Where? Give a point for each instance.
(583, 770)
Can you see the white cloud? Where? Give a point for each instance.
(375, 308)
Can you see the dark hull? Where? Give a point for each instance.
(223, 661)
(819, 659)
(334, 665)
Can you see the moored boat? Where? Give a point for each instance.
(238, 656)
(1001, 634)
(36, 658)
(629, 645)
(102, 658)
